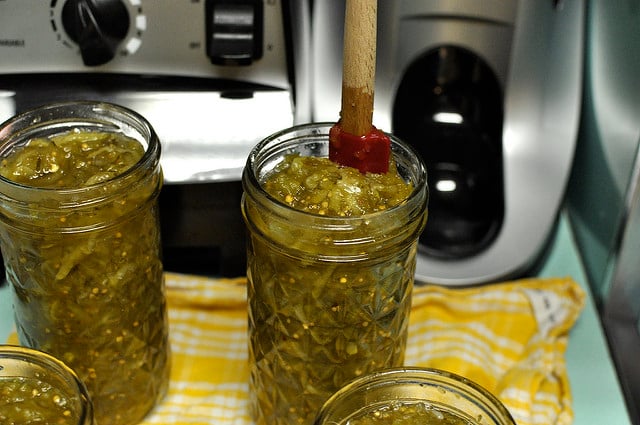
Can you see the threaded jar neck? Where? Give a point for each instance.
(23, 206)
(355, 237)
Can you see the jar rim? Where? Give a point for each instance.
(322, 128)
(20, 125)
(410, 375)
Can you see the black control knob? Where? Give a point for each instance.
(98, 26)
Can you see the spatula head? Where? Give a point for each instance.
(369, 153)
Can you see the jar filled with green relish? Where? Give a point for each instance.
(80, 240)
(38, 389)
(331, 261)
(410, 396)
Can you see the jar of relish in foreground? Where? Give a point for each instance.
(330, 273)
(80, 240)
(36, 388)
(409, 396)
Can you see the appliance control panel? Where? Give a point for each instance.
(234, 39)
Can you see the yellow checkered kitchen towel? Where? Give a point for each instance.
(509, 337)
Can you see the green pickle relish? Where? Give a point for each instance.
(406, 413)
(320, 186)
(30, 401)
(82, 254)
(71, 160)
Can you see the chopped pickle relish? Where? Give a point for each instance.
(406, 413)
(320, 186)
(71, 160)
(31, 401)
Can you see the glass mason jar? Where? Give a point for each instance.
(38, 388)
(83, 263)
(329, 297)
(413, 396)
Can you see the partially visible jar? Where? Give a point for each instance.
(329, 296)
(409, 396)
(38, 389)
(80, 239)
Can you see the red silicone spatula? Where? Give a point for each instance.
(354, 141)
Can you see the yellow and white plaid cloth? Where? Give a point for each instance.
(509, 337)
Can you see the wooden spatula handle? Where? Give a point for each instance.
(359, 64)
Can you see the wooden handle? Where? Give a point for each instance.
(359, 65)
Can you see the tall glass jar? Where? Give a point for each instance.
(38, 388)
(413, 396)
(83, 262)
(329, 297)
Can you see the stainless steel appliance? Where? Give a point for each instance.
(604, 189)
(212, 76)
(489, 92)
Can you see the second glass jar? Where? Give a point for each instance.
(329, 297)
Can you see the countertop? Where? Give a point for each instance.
(597, 395)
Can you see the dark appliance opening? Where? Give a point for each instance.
(449, 106)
